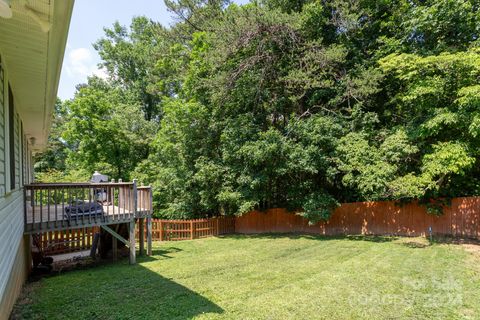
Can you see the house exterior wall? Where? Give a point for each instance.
(14, 247)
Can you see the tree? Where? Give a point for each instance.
(106, 130)
(272, 79)
(55, 154)
(300, 104)
(129, 57)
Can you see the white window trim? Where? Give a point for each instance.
(6, 128)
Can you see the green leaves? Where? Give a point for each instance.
(447, 158)
(443, 119)
(128, 56)
(299, 104)
(318, 207)
(105, 131)
(306, 103)
(364, 167)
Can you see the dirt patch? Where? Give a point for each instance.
(472, 248)
(414, 243)
(470, 245)
(62, 266)
(72, 264)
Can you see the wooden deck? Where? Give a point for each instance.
(47, 205)
(61, 206)
(53, 217)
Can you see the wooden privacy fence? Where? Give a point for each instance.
(461, 219)
(173, 230)
(66, 241)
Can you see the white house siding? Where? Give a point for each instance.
(11, 233)
(13, 256)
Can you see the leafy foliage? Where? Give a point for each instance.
(302, 104)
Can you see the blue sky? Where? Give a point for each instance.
(89, 18)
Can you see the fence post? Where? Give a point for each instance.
(191, 229)
(161, 230)
(218, 229)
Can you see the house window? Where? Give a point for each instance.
(11, 137)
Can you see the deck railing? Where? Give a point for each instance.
(144, 201)
(59, 206)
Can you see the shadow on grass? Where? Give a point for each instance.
(445, 239)
(160, 253)
(415, 244)
(115, 291)
(371, 238)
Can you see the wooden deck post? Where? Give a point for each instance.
(149, 224)
(141, 235)
(114, 249)
(132, 224)
(149, 235)
(96, 239)
(132, 241)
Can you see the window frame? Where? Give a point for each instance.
(11, 139)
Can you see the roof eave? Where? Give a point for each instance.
(57, 41)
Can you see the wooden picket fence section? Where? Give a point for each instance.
(175, 230)
(67, 241)
(74, 240)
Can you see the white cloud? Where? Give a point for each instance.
(81, 63)
(78, 64)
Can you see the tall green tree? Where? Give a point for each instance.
(129, 56)
(56, 152)
(302, 104)
(106, 130)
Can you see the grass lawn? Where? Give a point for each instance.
(270, 277)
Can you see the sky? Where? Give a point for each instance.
(88, 20)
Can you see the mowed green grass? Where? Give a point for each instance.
(271, 277)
